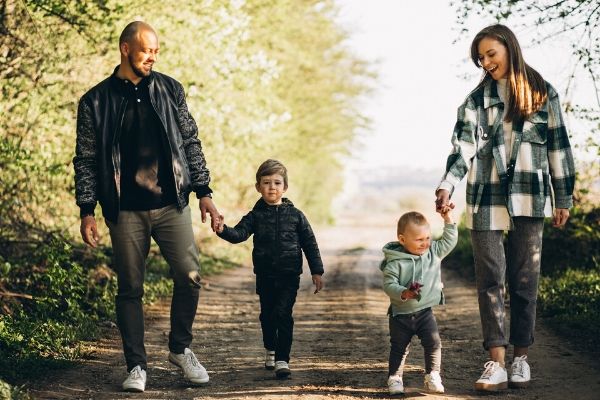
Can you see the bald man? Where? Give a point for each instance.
(139, 156)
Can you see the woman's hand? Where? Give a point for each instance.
(561, 215)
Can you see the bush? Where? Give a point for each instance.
(569, 301)
(576, 246)
(11, 392)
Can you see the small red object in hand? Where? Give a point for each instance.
(416, 287)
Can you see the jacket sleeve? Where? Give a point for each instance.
(463, 146)
(560, 156)
(308, 243)
(241, 232)
(447, 242)
(199, 173)
(391, 283)
(84, 162)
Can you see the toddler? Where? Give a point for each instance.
(412, 280)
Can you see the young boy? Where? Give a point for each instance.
(281, 233)
(411, 278)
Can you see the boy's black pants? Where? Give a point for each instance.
(277, 297)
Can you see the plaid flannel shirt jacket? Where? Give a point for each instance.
(543, 173)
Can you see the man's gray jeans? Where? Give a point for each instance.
(520, 267)
(172, 231)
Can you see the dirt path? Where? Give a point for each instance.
(340, 345)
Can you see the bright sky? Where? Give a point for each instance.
(421, 74)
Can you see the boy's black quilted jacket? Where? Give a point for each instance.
(281, 233)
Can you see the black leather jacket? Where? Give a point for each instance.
(97, 154)
(281, 233)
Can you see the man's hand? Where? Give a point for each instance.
(89, 231)
(207, 205)
(561, 215)
(318, 282)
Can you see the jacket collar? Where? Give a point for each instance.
(285, 202)
(122, 84)
(490, 94)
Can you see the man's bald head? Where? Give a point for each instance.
(132, 29)
(139, 49)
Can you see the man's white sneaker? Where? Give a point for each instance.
(269, 360)
(136, 381)
(282, 369)
(494, 378)
(395, 385)
(520, 373)
(192, 369)
(433, 382)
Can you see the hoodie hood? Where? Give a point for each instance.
(395, 251)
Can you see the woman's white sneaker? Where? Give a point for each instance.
(433, 382)
(136, 381)
(520, 373)
(395, 385)
(494, 378)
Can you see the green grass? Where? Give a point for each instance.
(66, 294)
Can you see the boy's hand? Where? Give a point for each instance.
(220, 224)
(446, 213)
(318, 282)
(408, 294)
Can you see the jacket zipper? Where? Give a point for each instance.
(277, 239)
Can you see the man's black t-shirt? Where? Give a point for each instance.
(146, 173)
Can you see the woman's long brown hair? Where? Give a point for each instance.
(527, 88)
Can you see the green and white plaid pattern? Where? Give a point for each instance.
(544, 170)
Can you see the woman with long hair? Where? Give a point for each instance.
(511, 142)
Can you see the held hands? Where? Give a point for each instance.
(89, 231)
(443, 205)
(318, 282)
(446, 213)
(221, 225)
(442, 201)
(207, 206)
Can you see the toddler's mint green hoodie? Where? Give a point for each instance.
(400, 268)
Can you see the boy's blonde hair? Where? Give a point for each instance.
(271, 167)
(411, 217)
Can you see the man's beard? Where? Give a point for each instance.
(139, 72)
